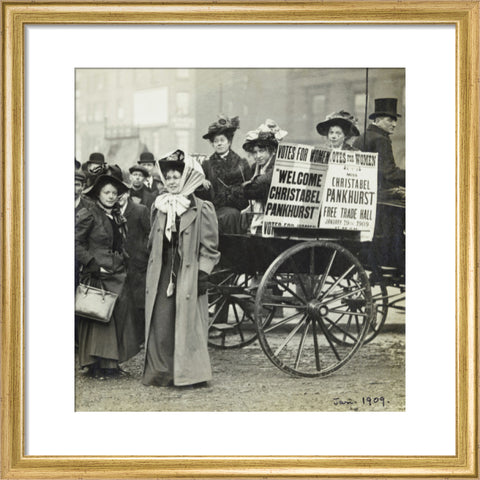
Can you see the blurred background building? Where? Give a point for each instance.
(123, 112)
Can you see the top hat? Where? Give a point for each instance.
(96, 157)
(172, 161)
(343, 119)
(103, 180)
(223, 126)
(385, 107)
(139, 168)
(146, 157)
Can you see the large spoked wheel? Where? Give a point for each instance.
(230, 310)
(313, 297)
(380, 310)
(380, 307)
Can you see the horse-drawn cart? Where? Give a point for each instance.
(312, 296)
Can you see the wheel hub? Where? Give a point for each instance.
(317, 309)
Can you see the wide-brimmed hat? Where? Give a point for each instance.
(268, 134)
(78, 165)
(385, 107)
(146, 157)
(103, 180)
(346, 121)
(172, 160)
(223, 126)
(97, 158)
(139, 168)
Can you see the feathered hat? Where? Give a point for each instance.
(223, 126)
(267, 134)
(346, 121)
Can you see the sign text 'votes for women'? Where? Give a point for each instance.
(315, 187)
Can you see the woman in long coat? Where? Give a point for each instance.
(183, 251)
(225, 171)
(100, 252)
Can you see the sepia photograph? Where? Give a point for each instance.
(240, 239)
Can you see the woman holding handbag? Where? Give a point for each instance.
(183, 251)
(99, 249)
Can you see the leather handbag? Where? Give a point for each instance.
(94, 303)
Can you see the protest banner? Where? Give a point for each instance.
(296, 190)
(315, 187)
(349, 198)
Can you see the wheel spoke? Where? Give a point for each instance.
(239, 323)
(282, 322)
(282, 305)
(327, 336)
(315, 345)
(356, 314)
(301, 344)
(337, 282)
(325, 274)
(217, 312)
(290, 335)
(289, 290)
(214, 302)
(343, 295)
(298, 276)
(334, 325)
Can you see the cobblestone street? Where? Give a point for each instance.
(245, 380)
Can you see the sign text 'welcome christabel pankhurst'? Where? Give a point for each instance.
(325, 188)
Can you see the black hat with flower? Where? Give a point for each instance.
(172, 161)
(223, 126)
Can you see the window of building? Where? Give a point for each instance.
(182, 103)
(183, 140)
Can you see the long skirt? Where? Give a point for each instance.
(160, 347)
(107, 345)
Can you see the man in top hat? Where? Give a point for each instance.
(377, 139)
(139, 193)
(148, 162)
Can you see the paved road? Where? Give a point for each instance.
(245, 380)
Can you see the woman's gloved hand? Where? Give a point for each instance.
(202, 282)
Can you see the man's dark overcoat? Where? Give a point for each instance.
(378, 140)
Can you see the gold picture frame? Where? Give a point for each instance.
(16, 14)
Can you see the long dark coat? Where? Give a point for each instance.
(197, 248)
(138, 229)
(378, 140)
(226, 176)
(117, 340)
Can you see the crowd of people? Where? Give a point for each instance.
(152, 238)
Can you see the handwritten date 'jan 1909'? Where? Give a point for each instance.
(365, 401)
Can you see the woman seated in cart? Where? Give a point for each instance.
(262, 144)
(225, 171)
(339, 127)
